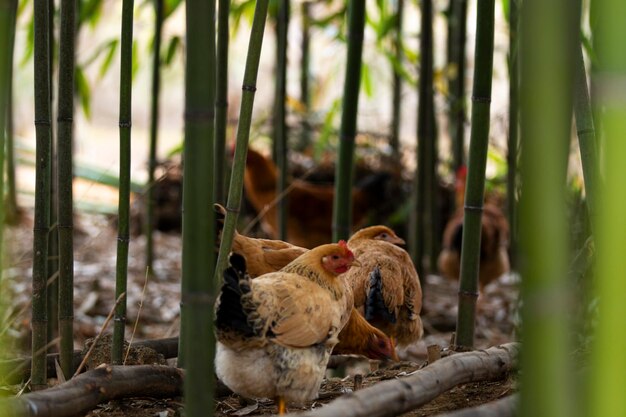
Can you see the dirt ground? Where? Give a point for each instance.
(153, 306)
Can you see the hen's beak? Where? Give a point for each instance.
(397, 241)
(355, 262)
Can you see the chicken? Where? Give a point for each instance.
(494, 238)
(310, 206)
(386, 287)
(358, 336)
(264, 256)
(275, 333)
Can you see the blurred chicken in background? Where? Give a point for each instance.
(494, 239)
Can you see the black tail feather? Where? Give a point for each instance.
(375, 308)
(230, 314)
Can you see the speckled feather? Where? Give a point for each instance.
(401, 288)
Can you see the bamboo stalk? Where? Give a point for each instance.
(609, 80)
(396, 102)
(547, 39)
(511, 155)
(154, 131)
(586, 134)
(458, 24)
(8, 10)
(221, 99)
(42, 193)
(64, 181)
(280, 125)
(53, 238)
(422, 191)
(198, 289)
(235, 190)
(123, 237)
(11, 209)
(305, 64)
(344, 171)
(474, 194)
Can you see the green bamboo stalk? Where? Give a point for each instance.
(423, 192)
(123, 237)
(221, 100)
(11, 208)
(474, 193)
(42, 194)
(243, 134)
(7, 37)
(198, 289)
(396, 102)
(154, 129)
(548, 33)
(305, 64)
(280, 125)
(53, 238)
(511, 155)
(344, 172)
(606, 370)
(586, 133)
(65, 197)
(458, 24)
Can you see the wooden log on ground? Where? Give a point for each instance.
(504, 407)
(15, 371)
(87, 390)
(394, 397)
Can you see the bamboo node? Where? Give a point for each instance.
(123, 239)
(251, 87)
(468, 294)
(127, 124)
(473, 208)
(119, 319)
(42, 122)
(65, 119)
(480, 99)
(232, 210)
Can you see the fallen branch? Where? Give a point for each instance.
(15, 371)
(87, 390)
(504, 407)
(392, 398)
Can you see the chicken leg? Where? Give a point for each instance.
(282, 405)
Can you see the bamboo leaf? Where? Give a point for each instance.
(172, 48)
(90, 12)
(111, 48)
(135, 65)
(84, 91)
(366, 80)
(170, 7)
(30, 41)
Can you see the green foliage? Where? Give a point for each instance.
(173, 46)
(84, 91)
(90, 12)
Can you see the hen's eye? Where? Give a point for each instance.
(335, 257)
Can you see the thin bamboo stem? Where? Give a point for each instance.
(123, 236)
(64, 180)
(221, 99)
(586, 134)
(243, 134)
(11, 209)
(474, 193)
(305, 64)
(154, 131)
(344, 171)
(280, 125)
(457, 106)
(511, 155)
(42, 193)
(396, 102)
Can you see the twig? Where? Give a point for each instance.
(95, 342)
(132, 336)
